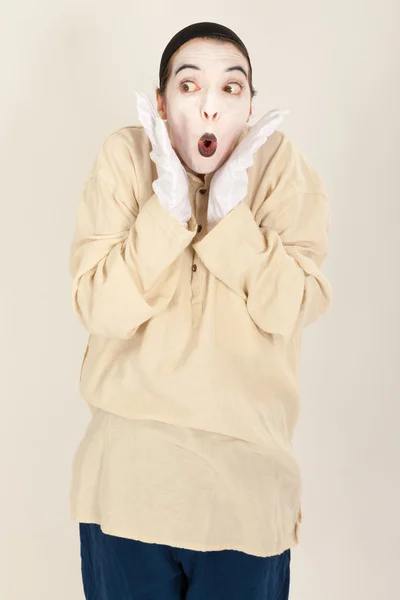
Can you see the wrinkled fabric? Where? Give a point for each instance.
(115, 568)
(191, 368)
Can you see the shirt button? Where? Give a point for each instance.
(199, 228)
(194, 268)
(203, 191)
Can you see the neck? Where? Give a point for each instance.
(200, 175)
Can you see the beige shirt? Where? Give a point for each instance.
(191, 368)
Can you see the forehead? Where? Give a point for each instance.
(202, 53)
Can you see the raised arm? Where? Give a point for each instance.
(124, 261)
(272, 259)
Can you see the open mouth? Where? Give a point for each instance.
(207, 145)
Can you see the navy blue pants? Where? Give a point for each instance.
(115, 568)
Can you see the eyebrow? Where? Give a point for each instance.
(235, 68)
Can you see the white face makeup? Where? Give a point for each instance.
(207, 102)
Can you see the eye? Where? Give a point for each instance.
(233, 88)
(186, 86)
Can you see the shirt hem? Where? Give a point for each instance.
(188, 545)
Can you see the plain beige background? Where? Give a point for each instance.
(68, 74)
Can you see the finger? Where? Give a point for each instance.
(258, 133)
(147, 115)
(162, 136)
(270, 127)
(271, 119)
(144, 104)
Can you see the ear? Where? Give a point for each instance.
(161, 106)
(251, 111)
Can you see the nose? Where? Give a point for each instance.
(209, 115)
(210, 109)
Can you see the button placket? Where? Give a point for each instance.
(198, 269)
(201, 209)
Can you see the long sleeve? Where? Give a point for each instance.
(124, 261)
(274, 265)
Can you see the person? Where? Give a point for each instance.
(196, 266)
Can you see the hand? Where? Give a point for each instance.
(172, 186)
(229, 183)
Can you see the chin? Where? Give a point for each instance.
(203, 166)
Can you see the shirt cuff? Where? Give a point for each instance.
(160, 238)
(257, 267)
(231, 245)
